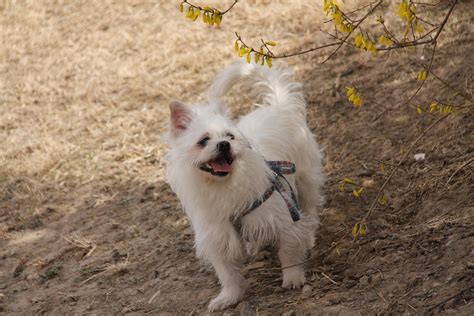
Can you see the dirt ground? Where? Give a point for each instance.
(88, 225)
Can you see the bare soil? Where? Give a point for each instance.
(89, 226)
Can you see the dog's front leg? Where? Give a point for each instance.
(232, 282)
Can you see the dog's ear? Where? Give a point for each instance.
(181, 116)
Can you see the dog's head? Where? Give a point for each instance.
(205, 139)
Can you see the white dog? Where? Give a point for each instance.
(234, 177)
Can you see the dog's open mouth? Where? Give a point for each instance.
(220, 166)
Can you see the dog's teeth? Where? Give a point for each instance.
(208, 166)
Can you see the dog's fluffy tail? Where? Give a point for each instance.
(274, 85)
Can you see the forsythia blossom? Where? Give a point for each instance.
(385, 40)
(210, 16)
(259, 57)
(332, 9)
(365, 43)
(354, 97)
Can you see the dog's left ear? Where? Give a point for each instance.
(181, 116)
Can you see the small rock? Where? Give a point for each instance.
(279, 289)
(470, 265)
(247, 308)
(364, 280)
(289, 313)
(307, 290)
(419, 157)
(133, 231)
(367, 183)
(18, 269)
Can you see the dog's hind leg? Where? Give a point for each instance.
(291, 254)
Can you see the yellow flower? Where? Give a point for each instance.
(347, 180)
(355, 230)
(422, 75)
(359, 41)
(354, 97)
(218, 19)
(269, 62)
(405, 11)
(242, 51)
(385, 40)
(248, 58)
(370, 46)
(362, 230)
(337, 16)
(197, 13)
(330, 5)
(190, 13)
(358, 101)
(357, 193)
(257, 57)
(271, 43)
(346, 27)
(433, 107)
(365, 43)
(419, 29)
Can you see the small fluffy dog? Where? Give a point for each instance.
(235, 199)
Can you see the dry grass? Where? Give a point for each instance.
(84, 92)
(82, 243)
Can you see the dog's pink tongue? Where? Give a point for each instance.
(220, 166)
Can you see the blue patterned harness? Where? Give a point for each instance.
(279, 168)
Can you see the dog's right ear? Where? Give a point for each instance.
(181, 116)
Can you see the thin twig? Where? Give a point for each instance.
(398, 45)
(230, 8)
(459, 169)
(354, 11)
(445, 20)
(296, 264)
(350, 33)
(424, 80)
(460, 93)
(202, 9)
(327, 277)
(427, 4)
(451, 297)
(379, 193)
(239, 38)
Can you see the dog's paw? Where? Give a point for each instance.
(225, 299)
(293, 277)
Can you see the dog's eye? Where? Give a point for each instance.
(203, 141)
(230, 135)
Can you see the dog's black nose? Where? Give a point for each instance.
(223, 146)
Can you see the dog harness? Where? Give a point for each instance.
(279, 168)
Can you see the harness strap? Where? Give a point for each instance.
(279, 168)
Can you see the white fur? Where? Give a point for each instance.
(276, 130)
